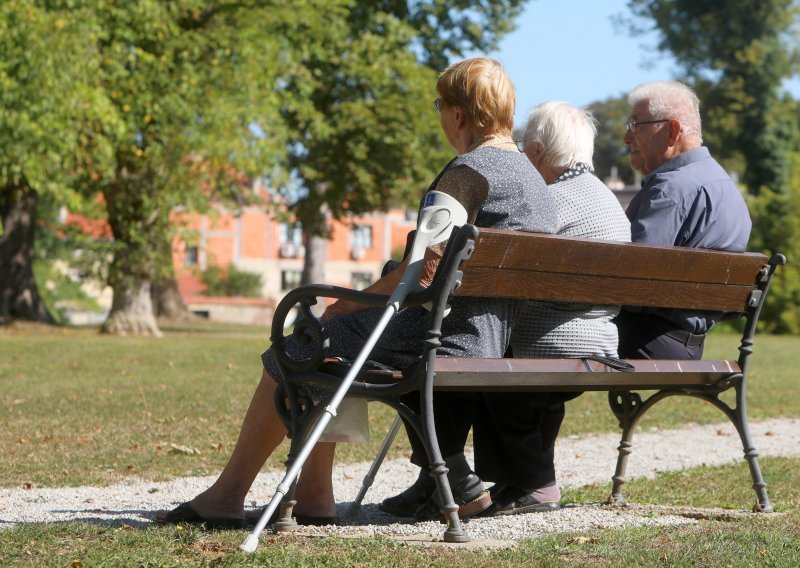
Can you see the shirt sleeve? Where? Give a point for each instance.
(466, 185)
(470, 189)
(656, 221)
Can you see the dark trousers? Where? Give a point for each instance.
(515, 435)
(454, 414)
(642, 336)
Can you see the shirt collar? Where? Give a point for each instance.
(578, 169)
(679, 161)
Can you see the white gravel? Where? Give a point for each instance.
(580, 460)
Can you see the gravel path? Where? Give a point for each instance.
(581, 460)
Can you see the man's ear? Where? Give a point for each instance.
(674, 131)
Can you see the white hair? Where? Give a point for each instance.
(671, 99)
(565, 132)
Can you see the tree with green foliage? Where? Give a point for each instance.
(179, 94)
(366, 135)
(48, 98)
(609, 149)
(193, 86)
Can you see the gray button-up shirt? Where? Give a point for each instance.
(690, 202)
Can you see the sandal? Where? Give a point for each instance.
(186, 513)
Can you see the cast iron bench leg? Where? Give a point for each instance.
(763, 504)
(625, 406)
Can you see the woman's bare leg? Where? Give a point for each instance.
(314, 492)
(262, 432)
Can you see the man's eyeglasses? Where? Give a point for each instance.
(632, 124)
(520, 145)
(437, 104)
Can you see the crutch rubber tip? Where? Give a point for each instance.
(249, 544)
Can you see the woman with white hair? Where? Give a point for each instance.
(515, 433)
(559, 141)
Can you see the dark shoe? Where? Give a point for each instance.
(185, 513)
(468, 494)
(513, 501)
(406, 503)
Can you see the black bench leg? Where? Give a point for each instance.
(625, 406)
(455, 531)
(285, 521)
(299, 417)
(763, 504)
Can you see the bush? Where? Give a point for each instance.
(776, 228)
(231, 282)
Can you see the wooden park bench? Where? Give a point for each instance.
(496, 263)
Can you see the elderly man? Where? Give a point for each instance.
(687, 200)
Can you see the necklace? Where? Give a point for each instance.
(500, 138)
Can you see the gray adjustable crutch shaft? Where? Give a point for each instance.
(251, 542)
(440, 213)
(369, 479)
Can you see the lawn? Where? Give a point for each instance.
(79, 408)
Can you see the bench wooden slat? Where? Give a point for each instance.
(467, 374)
(602, 290)
(560, 254)
(556, 268)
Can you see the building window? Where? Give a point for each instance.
(361, 236)
(290, 279)
(291, 240)
(360, 280)
(360, 240)
(191, 256)
(291, 233)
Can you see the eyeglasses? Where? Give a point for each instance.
(520, 145)
(632, 124)
(437, 104)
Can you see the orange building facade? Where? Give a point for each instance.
(257, 242)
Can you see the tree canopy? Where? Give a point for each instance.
(609, 149)
(736, 55)
(162, 106)
(48, 97)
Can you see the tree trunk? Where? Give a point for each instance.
(19, 295)
(314, 261)
(168, 303)
(138, 227)
(132, 310)
(316, 244)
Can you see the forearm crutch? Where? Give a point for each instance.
(439, 214)
(369, 479)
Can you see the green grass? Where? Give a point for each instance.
(750, 540)
(80, 408)
(726, 487)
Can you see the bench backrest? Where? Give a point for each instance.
(554, 268)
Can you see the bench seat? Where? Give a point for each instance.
(521, 375)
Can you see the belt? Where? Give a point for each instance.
(688, 339)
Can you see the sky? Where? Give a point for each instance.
(570, 50)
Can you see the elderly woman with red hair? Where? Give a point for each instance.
(499, 188)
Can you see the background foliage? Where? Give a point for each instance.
(230, 281)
